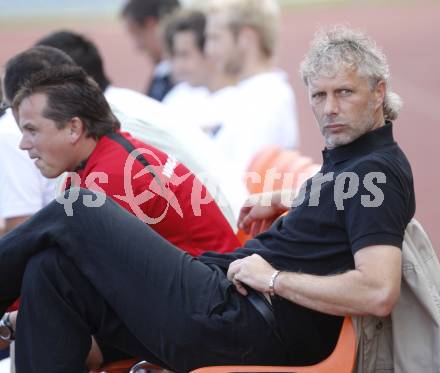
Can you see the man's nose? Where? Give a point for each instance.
(331, 106)
(25, 144)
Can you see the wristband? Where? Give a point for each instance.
(272, 283)
(6, 329)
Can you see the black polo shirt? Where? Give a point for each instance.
(321, 235)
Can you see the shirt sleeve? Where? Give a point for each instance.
(381, 209)
(20, 184)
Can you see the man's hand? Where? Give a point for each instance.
(260, 210)
(253, 271)
(13, 319)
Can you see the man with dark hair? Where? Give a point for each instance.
(185, 20)
(142, 19)
(23, 189)
(4, 353)
(21, 66)
(151, 122)
(337, 252)
(83, 51)
(204, 93)
(187, 65)
(67, 125)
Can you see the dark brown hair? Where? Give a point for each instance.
(71, 93)
(140, 10)
(185, 20)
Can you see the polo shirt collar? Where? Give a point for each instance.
(365, 144)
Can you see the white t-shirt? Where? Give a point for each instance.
(262, 113)
(23, 190)
(151, 122)
(187, 103)
(198, 106)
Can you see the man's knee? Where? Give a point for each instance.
(41, 267)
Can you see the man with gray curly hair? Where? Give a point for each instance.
(278, 300)
(340, 51)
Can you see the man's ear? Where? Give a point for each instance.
(380, 92)
(76, 129)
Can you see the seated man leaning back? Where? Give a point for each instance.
(280, 299)
(67, 125)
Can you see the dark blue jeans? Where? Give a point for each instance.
(103, 272)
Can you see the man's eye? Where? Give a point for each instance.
(318, 95)
(346, 92)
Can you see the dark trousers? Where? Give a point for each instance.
(103, 272)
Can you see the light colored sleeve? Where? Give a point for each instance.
(20, 180)
(257, 120)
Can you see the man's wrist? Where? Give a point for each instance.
(272, 282)
(285, 200)
(7, 332)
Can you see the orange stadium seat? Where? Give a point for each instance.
(122, 366)
(275, 168)
(341, 360)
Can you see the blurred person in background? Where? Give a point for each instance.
(23, 190)
(153, 123)
(142, 20)
(242, 37)
(4, 353)
(2, 111)
(204, 92)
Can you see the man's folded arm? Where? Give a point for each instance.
(372, 288)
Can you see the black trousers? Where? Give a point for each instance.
(103, 272)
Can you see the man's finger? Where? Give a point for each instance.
(243, 213)
(239, 286)
(247, 222)
(255, 228)
(233, 269)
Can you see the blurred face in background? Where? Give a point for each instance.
(222, 45)
(3, 99)
(189, 63)
(145, 37)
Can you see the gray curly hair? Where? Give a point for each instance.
(343, 46)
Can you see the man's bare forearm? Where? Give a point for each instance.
(356, 292)
(372, 287)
